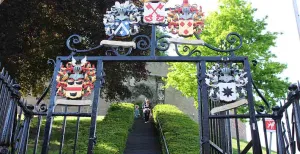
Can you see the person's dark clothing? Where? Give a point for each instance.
(146, 110)
(147, 114)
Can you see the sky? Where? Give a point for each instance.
(281, 18)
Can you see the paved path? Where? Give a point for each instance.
(144, 139)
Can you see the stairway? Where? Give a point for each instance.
(144, 138)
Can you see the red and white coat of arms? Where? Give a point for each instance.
(154, 13)
(186, 27)
(186, 19)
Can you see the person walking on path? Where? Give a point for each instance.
(146, 110)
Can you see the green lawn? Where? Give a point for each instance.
(112, 132)
(243, 144)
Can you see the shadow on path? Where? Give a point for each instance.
(144, 138)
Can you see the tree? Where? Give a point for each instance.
(236, 16)
(33, 31)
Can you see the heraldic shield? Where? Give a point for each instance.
(186, 27)
(122, 28)
(227, 92)
(154, 13)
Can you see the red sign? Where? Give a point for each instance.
(270, 125)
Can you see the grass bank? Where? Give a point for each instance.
(112, 132)
(181, 132)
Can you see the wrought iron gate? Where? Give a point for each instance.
(224, 83)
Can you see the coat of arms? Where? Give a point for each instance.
(123, 20)
(186, 19)
(227, 83)
(76, 79)
(154, 11)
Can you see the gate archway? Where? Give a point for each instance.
(224, 82)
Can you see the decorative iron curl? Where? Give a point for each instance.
(51, 62)
(142, 42)
(117, 51)
(43, 107)
(188, 50)
(231, 39)
(77, 39)
(162, 43)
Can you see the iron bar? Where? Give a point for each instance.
(216, 147)
(297, 121)
(158, 58)
(242, 116)
(291, 141)
(205, 110)
(248, 147)
(25, 134)
(229, 135)
(285, 139)
(63, 131)
(199, 75)
(237, 133)
(8, 124)
(265, 135)
(3, 95)
(253, 123)
(153, 41)
(38, 130)
(49, 120)
(77, 129)
(74, 114)
(98, 85)
(280, 140)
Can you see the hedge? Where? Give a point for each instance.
(180, 131)
(112, 132)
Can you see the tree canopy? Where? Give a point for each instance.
(33, 31)
(236, 16)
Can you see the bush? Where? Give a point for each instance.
(112, 132)
(180, 131)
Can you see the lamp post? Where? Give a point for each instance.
(297, 16)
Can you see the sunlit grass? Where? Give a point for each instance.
(111, 132)
(181, 132)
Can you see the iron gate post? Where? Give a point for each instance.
(98, 85)
(279, 133)
(49, 120)
(253, 123)
(153, 40)
(199, 104)
(205, 111)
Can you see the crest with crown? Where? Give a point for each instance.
(186, 19)
(76, 79)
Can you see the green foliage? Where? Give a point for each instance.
(181, 130)
(112, 132)
(236, 16)
(178, 129)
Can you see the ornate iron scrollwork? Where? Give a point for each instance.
(124, 20)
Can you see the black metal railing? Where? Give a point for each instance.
(163, 137)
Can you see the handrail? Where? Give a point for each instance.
(163, 136)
